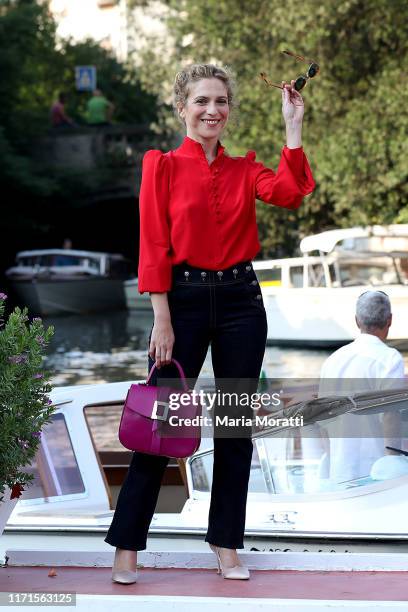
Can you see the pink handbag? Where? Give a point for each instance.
(144, 425)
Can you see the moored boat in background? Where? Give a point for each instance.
(60, 281)
(310, 300)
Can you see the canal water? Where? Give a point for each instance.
(112, 347)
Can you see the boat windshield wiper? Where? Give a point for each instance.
(398, 450)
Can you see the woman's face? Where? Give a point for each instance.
(206, 111)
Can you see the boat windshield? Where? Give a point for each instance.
(55, 469)
(330, 455)
(202, 469)
(59, 259)
(369, 271)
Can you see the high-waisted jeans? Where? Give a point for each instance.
(223, 308)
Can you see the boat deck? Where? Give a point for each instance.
(185, 581)
(283, 584)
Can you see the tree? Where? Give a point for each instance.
(355, 126)
(34, 67)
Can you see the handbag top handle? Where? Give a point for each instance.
(181, 372)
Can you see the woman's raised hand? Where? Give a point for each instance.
(161, 341)
(292, 104)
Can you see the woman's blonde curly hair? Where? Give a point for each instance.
(195, 72)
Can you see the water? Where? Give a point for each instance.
(112, 346)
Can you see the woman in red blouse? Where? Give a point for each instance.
(198, 236)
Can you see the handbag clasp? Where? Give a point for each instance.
(163, 416)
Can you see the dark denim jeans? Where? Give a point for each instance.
(223, 308)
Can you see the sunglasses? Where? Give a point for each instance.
(302, 80)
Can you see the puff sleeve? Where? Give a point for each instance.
(287, 187)
(155, 266)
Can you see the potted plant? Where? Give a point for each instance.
(24, 403)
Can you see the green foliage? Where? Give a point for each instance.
(27, 37)
(119, 83)
(355, 122)
(34, 68)
(24, 403)
(19, 171)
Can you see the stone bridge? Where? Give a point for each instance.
(116, 150)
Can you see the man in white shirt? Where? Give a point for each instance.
(367, 356)
(376, 366)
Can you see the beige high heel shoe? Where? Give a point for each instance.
(238, 572)
(123, 576)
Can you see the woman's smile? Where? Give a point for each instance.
(211, 121)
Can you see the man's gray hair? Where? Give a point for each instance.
(373, 309)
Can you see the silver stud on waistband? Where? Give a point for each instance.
(247, 268)
(259, 297)
(186, 274)
(219, 274)
(203, 275)
(235, 272)
(254, 282)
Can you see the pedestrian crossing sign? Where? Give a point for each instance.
(85, 78)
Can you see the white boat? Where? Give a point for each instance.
(57, 281)
(292, 490)
(310, 300)
(53, 540)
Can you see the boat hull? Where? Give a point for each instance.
(73, 296)
(325, 317)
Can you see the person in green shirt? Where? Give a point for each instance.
(99, 109)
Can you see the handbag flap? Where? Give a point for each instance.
(141, 398)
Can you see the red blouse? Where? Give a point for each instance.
(204, 214)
